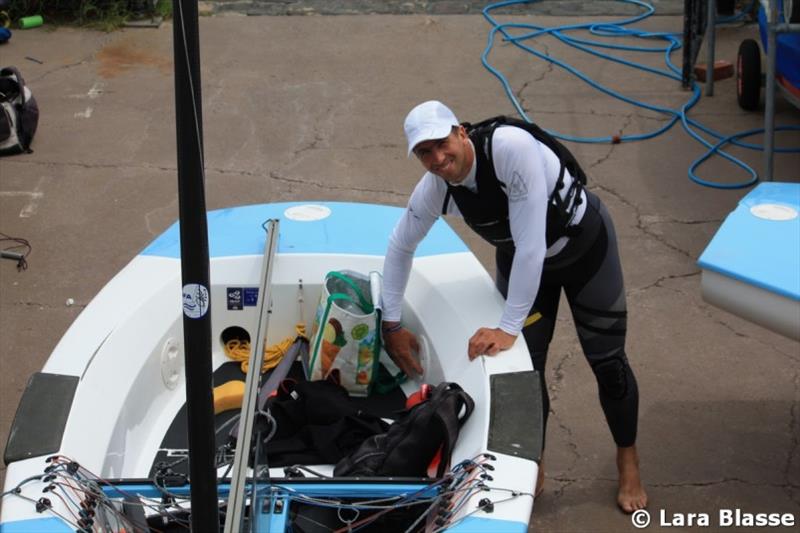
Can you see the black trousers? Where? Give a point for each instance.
(589, 272)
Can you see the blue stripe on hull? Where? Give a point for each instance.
(474, 524)
(36, 525)
(358, 229)
(468, 525)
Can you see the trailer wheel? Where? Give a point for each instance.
(791, 12)
(748, 75)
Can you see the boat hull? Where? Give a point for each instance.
(752, 265)
(126, 348)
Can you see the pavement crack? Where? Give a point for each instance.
(328, 187)
(659, 219)
(558, 373)
(662, 279)
(388, 146)
(573, 448)
(604, 158)
(705, 309)
(59, 68)
(643, 222)
(615, 194)
(553, 388)
(31, 304)
(87, 59)
(540, 77)
(564, 484)
(711, 483)
(625, 124)
(313, 145)
(43, 306)
(723, 481)
(520, 99)
(628, 118)
(115, 166)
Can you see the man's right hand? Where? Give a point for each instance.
(403, 348)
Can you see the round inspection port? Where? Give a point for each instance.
(238, 334)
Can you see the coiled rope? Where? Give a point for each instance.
(620, 29)
(239, 350)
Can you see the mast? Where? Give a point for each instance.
(194, 267)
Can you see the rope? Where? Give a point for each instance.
(618, 29)
(239, 350)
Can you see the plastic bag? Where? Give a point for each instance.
(345, 339)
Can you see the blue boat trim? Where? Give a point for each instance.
(477, 524)
(470, 524)
(351, 228)
(339, 489)
(762, 253)
(36, 525)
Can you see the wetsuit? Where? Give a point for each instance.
(533, 264)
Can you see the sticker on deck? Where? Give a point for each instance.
(195, 300)
(235, 299)
(250, 296)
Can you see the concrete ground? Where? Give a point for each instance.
(312, 108)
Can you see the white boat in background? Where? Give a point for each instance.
(751, 267)
(114, 386)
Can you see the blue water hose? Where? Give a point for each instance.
(619, 29)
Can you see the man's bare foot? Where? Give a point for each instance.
(631, 496)
(539, 481)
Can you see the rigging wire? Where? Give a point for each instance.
(195, 105)
(82, 491)
(619, 29)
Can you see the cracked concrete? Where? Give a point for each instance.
(312, 108)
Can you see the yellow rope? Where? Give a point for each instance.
(239, 350)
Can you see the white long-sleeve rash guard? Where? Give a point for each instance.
(529, 170)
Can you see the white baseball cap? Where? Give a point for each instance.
(429, 120)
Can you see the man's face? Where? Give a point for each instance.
(449, 158)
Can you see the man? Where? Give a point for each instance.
(522, 191)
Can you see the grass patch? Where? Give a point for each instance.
(105, 15)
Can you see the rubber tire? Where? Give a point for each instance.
(748, 75)
(792, 9)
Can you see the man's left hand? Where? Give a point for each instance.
(489, 341)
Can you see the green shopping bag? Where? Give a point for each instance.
(346, 341)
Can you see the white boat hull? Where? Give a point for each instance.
(126, 348)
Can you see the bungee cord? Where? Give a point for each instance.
(90, 500)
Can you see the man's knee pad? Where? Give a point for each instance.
(612, 377)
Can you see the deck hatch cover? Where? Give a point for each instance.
(41, 416)
(515, 426)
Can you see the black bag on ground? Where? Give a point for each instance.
(410, 444)
(19, 113)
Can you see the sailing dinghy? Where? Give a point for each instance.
(113, 391)
(118, 432)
